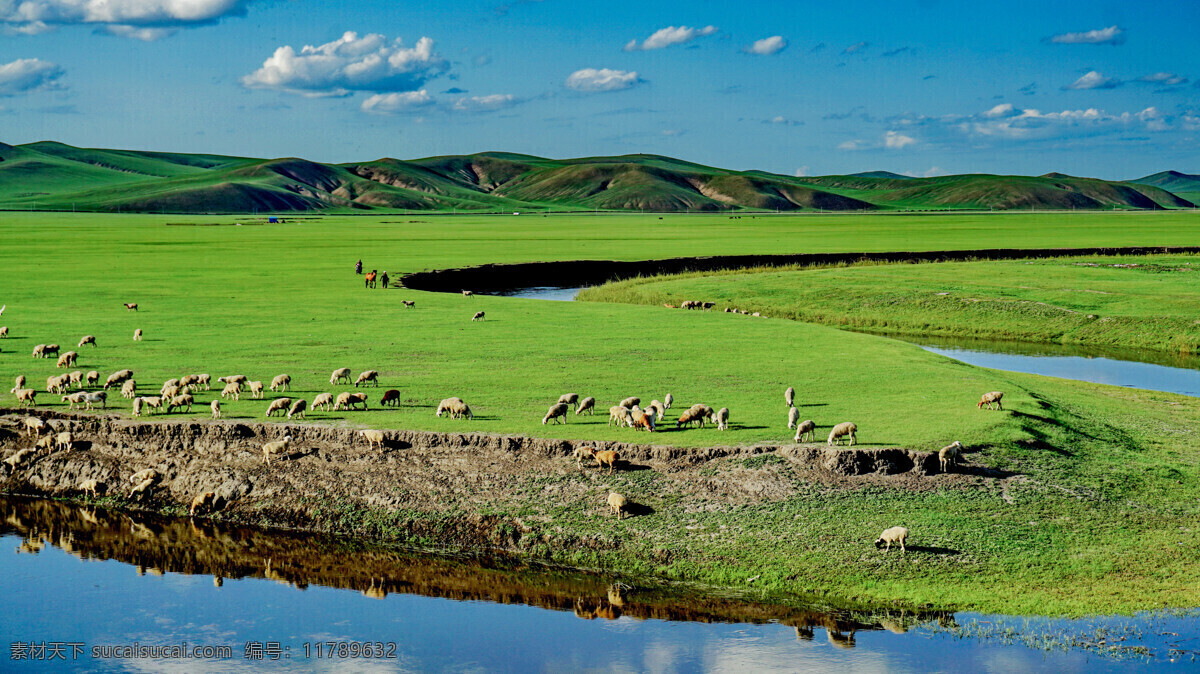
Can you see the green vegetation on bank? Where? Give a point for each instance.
(1084, 499)
(1143, 302)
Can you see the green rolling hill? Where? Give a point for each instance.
(53, 176)
(1185, 185)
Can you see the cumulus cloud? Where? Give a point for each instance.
(894, 140)
(406, 101)
(780, 120)
(484, 103)
(1032, 124)
(856, 47)
(1093, 80)
(118, 17)
(348, 64)
(24, 76)
(852, 145)
(602, 79)
(1002, 110)
(1112, 35)
(143, 34)
(665, 37)
(767, 46)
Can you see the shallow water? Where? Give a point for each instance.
(102, 578)
(545, 293)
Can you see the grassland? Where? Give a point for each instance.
(1101, 519)
(1143, 302)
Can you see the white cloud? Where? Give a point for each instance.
(665, 37)
(1167, 79)
(348, 64)
(1093, 80)
(767, 46)
(603, 79)
(1032, 124)
(783, 121)
(35, 16)
(933, 171)
(801, 172)
(398, 102)
(1002, 110)
(484, 103)
(143, 34)
(894, 140)
(27, 75)
(852, 145)
(1112, 35)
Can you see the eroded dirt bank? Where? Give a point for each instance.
(429, 489)
(574, 273)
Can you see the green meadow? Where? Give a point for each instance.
(1103, 519)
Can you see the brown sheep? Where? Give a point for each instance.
(206, 500)
(390, 396)
(643, 419)
(989, 399)
(607, 457)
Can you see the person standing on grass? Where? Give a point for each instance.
(384, 280)
(358, 267)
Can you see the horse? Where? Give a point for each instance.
(369, 280)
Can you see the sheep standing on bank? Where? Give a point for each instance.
(92, 377)
(278, 405)
(323, 400)
(90, 487)
(723, 419)
(141, 490)
(137, 335)
(18, 457)
(137, 407)
(630, 402)
(374, 438)
(87, 339)
(789, 396)
(340, 374)
(367, 376)
(556, 411)
(143, 475)
(33, 426)
(67, 359)
(455, 408)
(569, 398)
(153, 402)
(793, 417)
(277, 447)
(948, 455)
(256, 389)
(806, 429)
(64, 441)
(206, 500)
(893, 535)
(232, 390)
(349, 400)
(607, 457)
(617, 504)
(390, 396)
(620, 414)
(479, 316)
(181, 400)
(989, 399)
(845, 428)
(215, 406)
(281, 383)
(297, 408)
(588, 405)
(118, 377)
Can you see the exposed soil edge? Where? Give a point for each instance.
(574, 273)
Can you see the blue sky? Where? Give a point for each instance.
(1106, 89)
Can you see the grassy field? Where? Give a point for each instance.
(1145, 302)
(1104, 521)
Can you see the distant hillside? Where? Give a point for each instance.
(1184, 185)
(48, 175)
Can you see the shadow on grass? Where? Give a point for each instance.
(933, 550)
(982, 471)
(638, 510)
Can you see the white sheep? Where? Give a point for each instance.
(18, 457)
(348, 400)
(170, 389)
(845, 428)
(806, 428)
(64, 441)
(723, 419)
(657, 408)
(75, 379)
(87, 339)
(67, 359)
(155, 402)
(789, 396)
(181, 400)
(617, 504)
(3, 332)
(367, 376)
(455, 408)
(668, 401)
(373, 438)
(948, 455)
(215, 406)
(569, 398)
(323, 400)
(90, 487)
(556, 411)
(989, 399)
(33, 426)
(232, 390)
(793, 417)
(92, 378)
(278, 405)
(137, 407)
(588, 405)
(73, 399)
(620, 415)
(204, 380)
(467, 293)
(340, 374)
(137, 335)
(256, 389)
(630, 402)
(20, 383)
(892, 535)
(281, 382)
(277, 447)
(233, 379)
(142, 489)
(118, 377)
(90, 399)
(297, 408)
(479, 316)
(144, 474)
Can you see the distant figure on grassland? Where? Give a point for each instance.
(383, 278)
(358, 267)
(369, 279)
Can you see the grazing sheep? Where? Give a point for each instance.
(323, 400)
(617, 504)
(408, 304)
(233, 379)
(806, 428)
(793, 417)
(278, 405)
(277, 447)
(118, 377)
(368, 376)
(789, 396)
(643, 419)
(155, 402)
(845, 428)
(73, 400)
(87, 339)
(92, 377)
(137, 407)
(50, 349)
(129, 389)
(349, 400)
(39, 351)
(668, 401)
(607, 457)
(708, 305)
(630, 402)
(373, 438)
(893, 535)
(556, 411)
(455, 408)
(131, 306)
(144, 474)
(45, 444)
(64, 441)
(57, 384)
(390, 396)
(340, 374)
(67, 359)
(215, 406)
(297, 409)
(182, 400)
(468, 293)
(33, 426)
(20, 383)
(948, 455)
(19, 457)
(256, 389)
(75, 379)
(569, 398)
(232, 390)
(3, 332)
(137, 335)
(90, 399)
(170, 390)
(189, 381)
(206, 500)
(657, 408)
(588, 405)
(204, 380)
(582, 453)
(142, 489)
(281, 382)
(91, 487)
(989, 399)
(690, 416)
(620, 414)
(723, 419)
(479, 316)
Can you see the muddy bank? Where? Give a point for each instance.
(576, 273)
(428, 489)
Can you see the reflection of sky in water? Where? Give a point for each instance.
(1098, 370)
(55, 597)
(545, 293)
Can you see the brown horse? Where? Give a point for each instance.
(369, 279)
